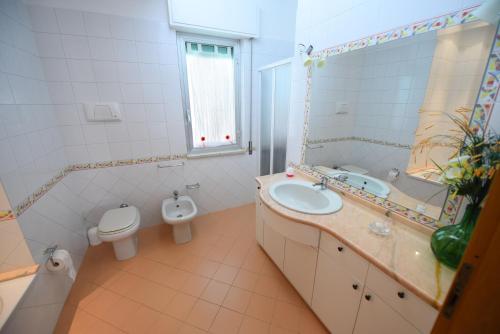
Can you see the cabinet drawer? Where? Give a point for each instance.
(412, 308)
(344, 256)
(298, 232)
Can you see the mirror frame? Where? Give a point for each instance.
(485, 101)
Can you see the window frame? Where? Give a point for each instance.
(182, 38)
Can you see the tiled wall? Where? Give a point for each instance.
(327, 23)
(78, 56)
(31, 145)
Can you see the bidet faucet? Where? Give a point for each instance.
(176, 195)
(323, 183)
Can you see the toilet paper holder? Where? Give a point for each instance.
(50, 252)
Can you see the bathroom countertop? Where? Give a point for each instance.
(11, 293)
(405, 255)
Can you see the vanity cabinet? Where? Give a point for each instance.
(300, 267)
(259, 225)
(337, 295)
(376, 317)
(346, 291)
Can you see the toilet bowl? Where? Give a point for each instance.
(119, 226)
(178, 212)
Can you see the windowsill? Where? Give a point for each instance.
(216, 153)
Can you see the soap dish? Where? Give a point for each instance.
(380, 228)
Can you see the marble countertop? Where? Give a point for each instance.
(405, 254)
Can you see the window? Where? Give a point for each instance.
(210, 88)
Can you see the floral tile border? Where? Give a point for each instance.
(7, 215)
(28, 202)
(384, 203)
(360, 139)
(481, 114)
(436, 23)
(480, 117)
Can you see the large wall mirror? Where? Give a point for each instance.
(370, 108)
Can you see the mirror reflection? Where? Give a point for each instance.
(370, 108)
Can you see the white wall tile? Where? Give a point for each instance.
(81, 70)
(76, 47)
(49, 45)
(43, 19)
(70, 21)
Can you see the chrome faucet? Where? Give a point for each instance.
(341, 177)
(323, 183)
(176, 195)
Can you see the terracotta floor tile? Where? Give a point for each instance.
(267, 286)
(237, 299)
(73, 320)
(188, 329)
(180, 306)
(161, 274)
(141, 267)
(176, 279)
(100, 305)
(195, 285)
(246, 280)
(253, 326)
(235, 258)
(141, 321)
(125, 283)
(280, 330)
(121, 311)
(261, 307)
(226, 273)
(215, 292)
(203, 314)
(309, 323)
(152, 294)
(287, 316)
(226, 322)
(165, 325)
(287, 293)
(101, 327)
(82, 293)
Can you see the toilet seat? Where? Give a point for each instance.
(117, 221)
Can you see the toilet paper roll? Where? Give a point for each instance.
(61, 261)
(93, 237)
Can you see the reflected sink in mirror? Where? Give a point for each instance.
(303, 197)
(367, 183)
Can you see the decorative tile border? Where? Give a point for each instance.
(481, 114)
(28, 202)
(384, 203)
(6, 215)
(480, 117)
(436, 23)
(360, 139)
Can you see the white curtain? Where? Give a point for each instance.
(210, 73)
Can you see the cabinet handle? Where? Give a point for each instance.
(355, 286)
(368, 297)
(340, 248)
(401, 294)
(258, 187)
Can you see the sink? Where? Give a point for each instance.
(364, 182)
(303, 197)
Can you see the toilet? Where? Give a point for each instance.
(179, 211)
(119, 226)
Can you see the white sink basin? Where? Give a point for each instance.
(364, 182)
(303, 197)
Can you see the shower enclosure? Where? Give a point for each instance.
(275, 82)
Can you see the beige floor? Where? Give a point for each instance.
(220, 282)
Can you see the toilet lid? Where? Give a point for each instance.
(118, 219)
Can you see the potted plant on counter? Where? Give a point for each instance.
(468, 173)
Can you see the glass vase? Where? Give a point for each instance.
(448, 243)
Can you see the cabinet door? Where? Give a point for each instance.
(336, 295)
(376, 317)
(299, 267)
(259, 224)
(274, 245)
